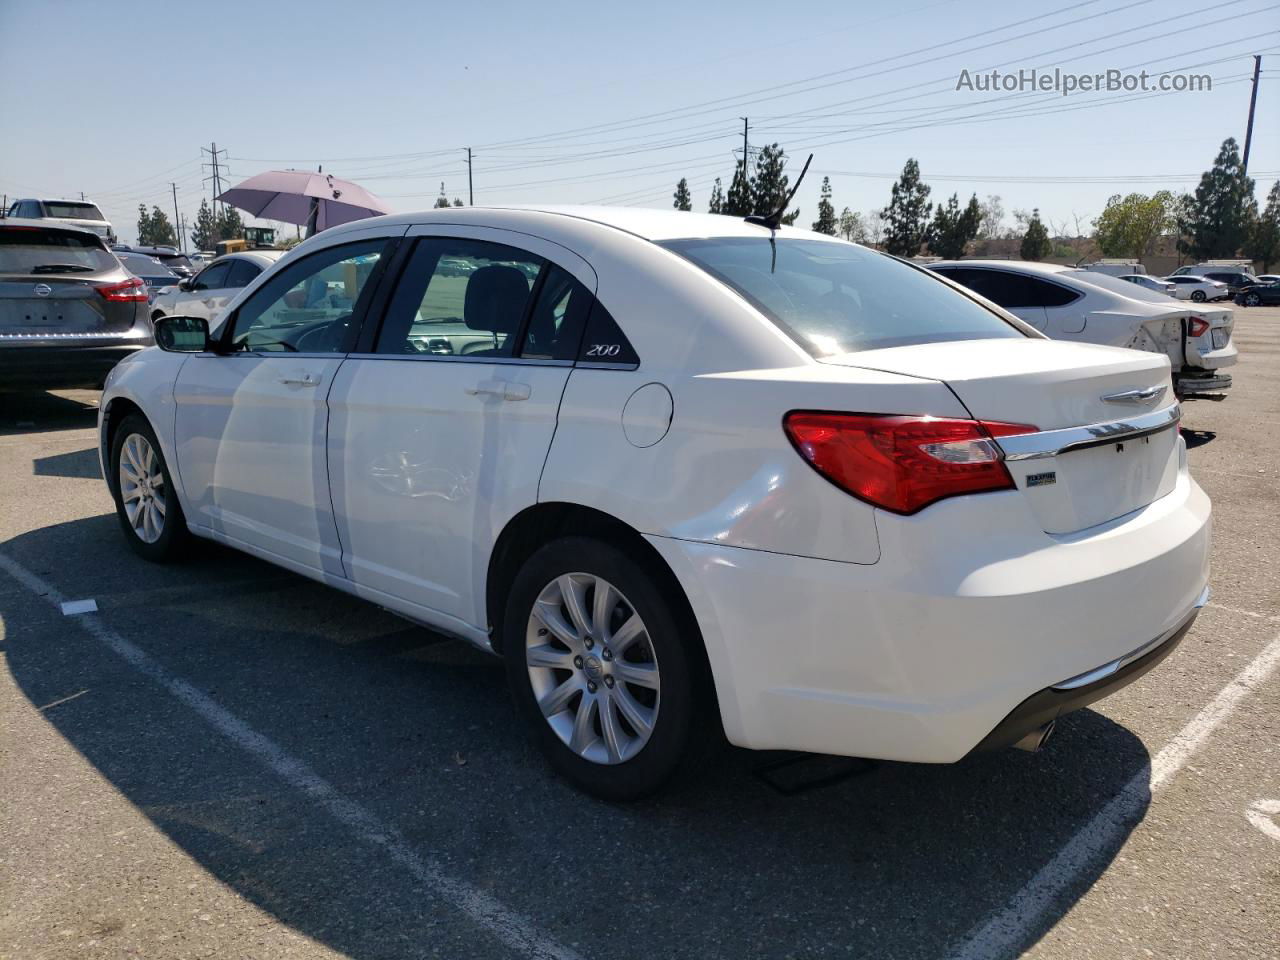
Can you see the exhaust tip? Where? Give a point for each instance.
(1037, 738)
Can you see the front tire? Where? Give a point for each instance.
(601, 669)
(146, 503)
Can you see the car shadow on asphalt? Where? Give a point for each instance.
(899, 860)
(1197, 438)
(79, 465)
(21, 412)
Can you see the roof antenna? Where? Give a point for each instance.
(774, 220)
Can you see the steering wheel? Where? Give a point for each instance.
(325, 336)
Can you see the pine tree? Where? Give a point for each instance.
(457, 202)
(229, 226)
(907, 216)
(1264, 237)
(682, 200)
(717, 198)
(1223, 207)
(826, 222)
(770, 185)
(738, 202)
(202, 236)
(144, 226)
(161, 232)
(953, 229)
(442, 200)
(1036, 244)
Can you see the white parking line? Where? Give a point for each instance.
(1262, 815)
(512, 929)
(1009, 928)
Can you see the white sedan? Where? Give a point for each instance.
(209, 291)
(1188, 286)
(1091, 307)
(683, 473)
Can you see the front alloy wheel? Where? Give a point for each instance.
(142, 488)
(592, 668)
(1252, 300)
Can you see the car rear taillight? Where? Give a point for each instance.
(131, 290)
(1197, 327)
(903, 463)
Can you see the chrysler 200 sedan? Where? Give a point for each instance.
(685, 474)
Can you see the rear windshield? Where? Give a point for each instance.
(172, 260)
(26, 250)
(143, 266)
(1133, 291)
(73, 211)
(836, 298)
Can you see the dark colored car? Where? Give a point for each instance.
(150, 270)
(1259, 295)
(1236, 280)
(69, 311)
(169, 256)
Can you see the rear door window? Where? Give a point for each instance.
(558, 317)
(461, 297)
(242, 274)
(212, 278)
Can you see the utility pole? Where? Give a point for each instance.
(471, 192)
(177, 220)
(1253, 103)
(82, 192)
(744, 149)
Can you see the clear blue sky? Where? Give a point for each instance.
(614, 102)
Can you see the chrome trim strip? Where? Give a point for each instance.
(458, 358)
(1143, 395)
(1107, 669)
(1050, 443)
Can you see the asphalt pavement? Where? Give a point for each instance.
(227, 760)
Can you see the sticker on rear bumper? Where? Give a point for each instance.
(1042, 479)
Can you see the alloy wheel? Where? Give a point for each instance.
(592, 668)
(142, 488)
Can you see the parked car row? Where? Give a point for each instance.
(1086, 306)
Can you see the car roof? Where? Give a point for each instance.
(655, 225)
(1021, 266)
(45, 224)
(263, 258)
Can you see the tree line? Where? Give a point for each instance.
(1219, 220)
(155, 230)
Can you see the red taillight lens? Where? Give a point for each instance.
(1197, 327)
(132, 290)
(902, 463)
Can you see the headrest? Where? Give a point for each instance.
(495, 299)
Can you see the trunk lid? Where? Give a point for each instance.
(58, 306)
(1055, 385)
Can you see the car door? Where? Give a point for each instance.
(1002, 287)
(439, 430)
(251, 419)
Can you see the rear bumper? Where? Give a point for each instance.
(1197, 384)
(64, 366)
(970, 611)
(1062, 698)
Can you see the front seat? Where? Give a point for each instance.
(494, 303)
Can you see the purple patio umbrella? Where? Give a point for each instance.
(314, 200)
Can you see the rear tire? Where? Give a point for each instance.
(602, 670)
(1198, 296)
(1252, 300)
(146, 503)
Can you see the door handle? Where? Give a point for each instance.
(501, 389)
(306, 380)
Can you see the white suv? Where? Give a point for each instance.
(684, 473)
(75, 213)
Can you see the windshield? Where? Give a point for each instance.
(73, 211)
(28, 250)
(833, 297)
(1133, 291)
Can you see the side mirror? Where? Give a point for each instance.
(183, 334)
(185, 284)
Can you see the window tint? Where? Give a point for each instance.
(213, 277)
(309, 307)
(73, 211)
(558, 317)
(242, 273)
(459, 296)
